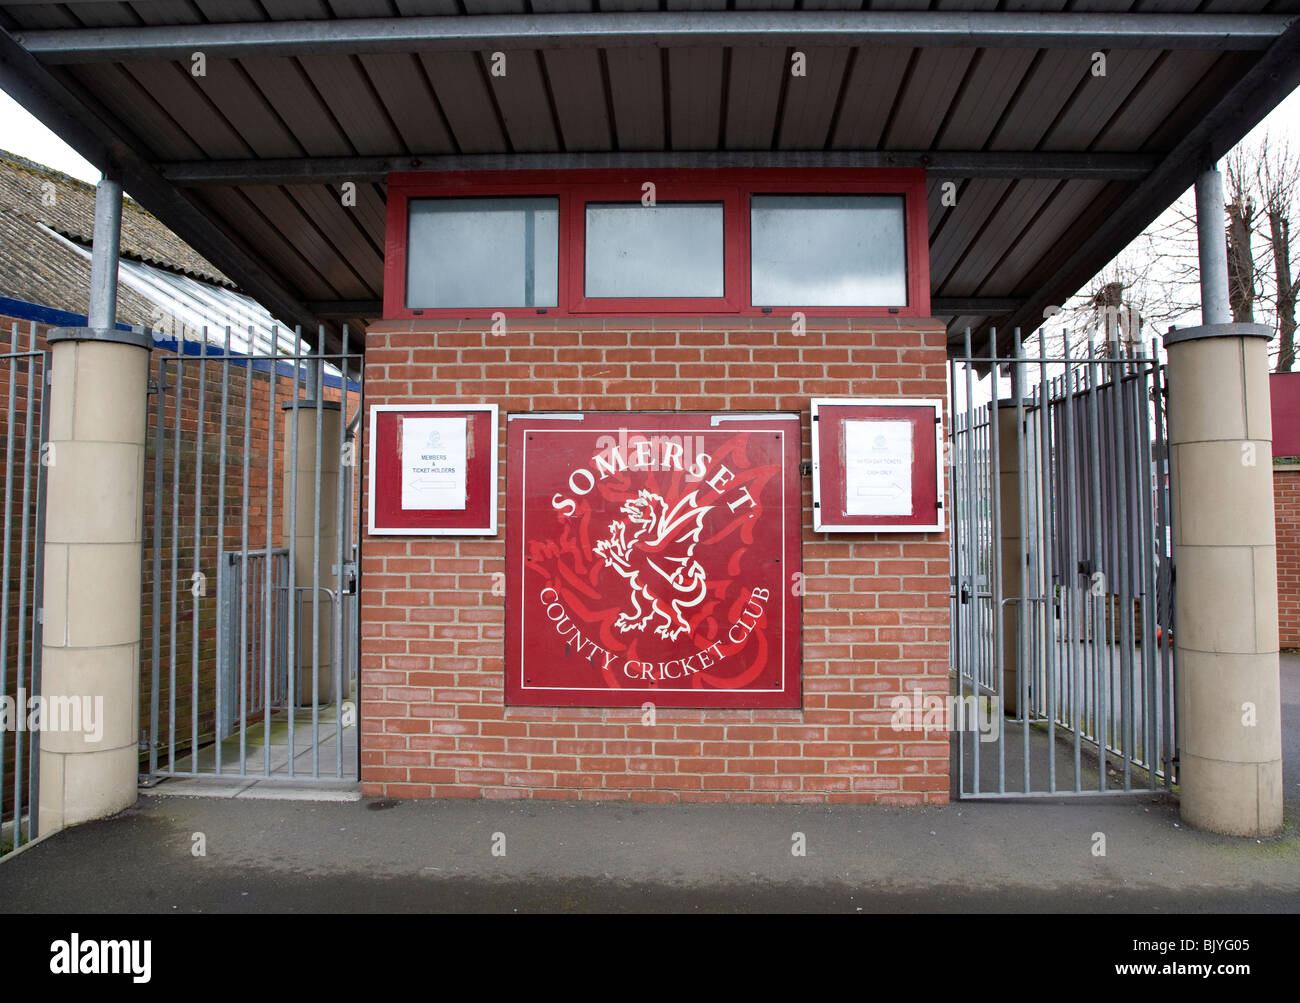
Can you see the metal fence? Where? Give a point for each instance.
(25, 377)
(256, 677)
(1062, 570)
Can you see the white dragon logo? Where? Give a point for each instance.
(658, 561)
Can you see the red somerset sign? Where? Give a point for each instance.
(653, 558)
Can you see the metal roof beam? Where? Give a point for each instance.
(974, 164)
(663, 29)
(972, 306)
(345, 309)
(1267, 82)
(66, 114)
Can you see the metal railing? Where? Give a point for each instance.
(242, 681)
(1071, 643)
(26, 433)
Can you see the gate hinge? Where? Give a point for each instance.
(153, 387)
(349, 577)
(805, 468)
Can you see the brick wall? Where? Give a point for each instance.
(1286, 505)
(875, 609)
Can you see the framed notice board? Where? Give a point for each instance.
(433, 470)
(876, 465)
(651, 558)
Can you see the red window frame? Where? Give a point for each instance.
(731, 186)
(665, 194)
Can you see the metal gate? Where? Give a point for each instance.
(1062, 572)
(241, 660)
(25, 377)
(250, 564)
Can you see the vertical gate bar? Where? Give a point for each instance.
(254, 632)
(223, 624)
(336, 643)
(1123, 485)
(160, 417)
(1145, 535)
(1142, 428)
(987, 651)
(354, 534)
(1070, 573)
(243, 566)
(292, 501)
(175, 552)
(198, 557)
(1022, 613)
(24, 537)
(315, 560)
(1046, 529)
(268, 562)
(282, 628)
(1141, 558)
(956, 624)
(995, 539)
(1101, 679)
(1164, 601)
(955, 445)
(4, 578)
(38, 587)
(969, 541)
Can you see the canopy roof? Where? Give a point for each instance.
(1056, 168)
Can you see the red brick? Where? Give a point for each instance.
(874, 609)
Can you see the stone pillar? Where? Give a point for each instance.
(301, 535)
(1225, 627)
(93, 535)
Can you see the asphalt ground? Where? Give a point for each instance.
(372, 856)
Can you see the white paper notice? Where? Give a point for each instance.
(433, 463)
(878, 467)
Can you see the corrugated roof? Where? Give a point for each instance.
(1009, 238)
(67, 205)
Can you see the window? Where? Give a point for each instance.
(827, 250)
(635, 251)
(659, 241)
(483, 252)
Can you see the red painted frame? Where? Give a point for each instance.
(829, 468)
(577, 187)
(386, 517)
(580, 302)
(522, 522)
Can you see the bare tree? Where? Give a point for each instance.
(1123, 305)
(1278, 178)
(1155, 281)
(1242, 217)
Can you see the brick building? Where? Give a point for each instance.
(702, 460)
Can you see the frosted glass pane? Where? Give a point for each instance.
(488, 252)
(828, 250)
(666, 250)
